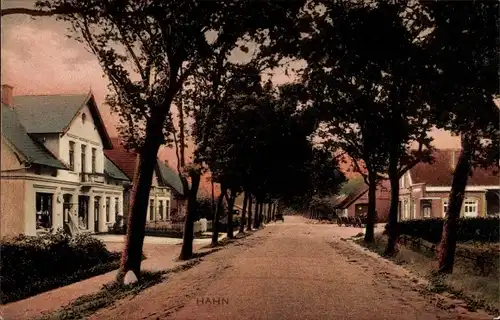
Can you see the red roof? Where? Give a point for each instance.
(125, 160)
(440, 172)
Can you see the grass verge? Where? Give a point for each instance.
(111, 292)
(226, 241)
(479, 291)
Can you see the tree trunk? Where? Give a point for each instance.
(261, 215)
(269, 211)
(215, 220)
(249, 220)
(372, 199)
(230, 204)
(213, 196)
(243, 213)
(139, 201)
(188, 234)
(447, 247)
(273, 214)
(256, 214)
(390, 249)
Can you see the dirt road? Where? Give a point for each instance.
(290, 271)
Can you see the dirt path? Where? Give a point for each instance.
(290, 271)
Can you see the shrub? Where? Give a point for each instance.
(31, 265)
(469, 229)
(204, 208)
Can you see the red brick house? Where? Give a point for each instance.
(425, 188)
(353, 199)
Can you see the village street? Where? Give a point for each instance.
(293, 270)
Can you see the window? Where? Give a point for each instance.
(43, 210)
(400, 210)
(97, 213)
(160, 210)
(426, 206)
(72, 156)
(414, 213)
(84, 156)
(405, 210)
(167, 209)
(84, 117)
(94, 154)
(470, 208)
(151, 209)
(445, 207)
(117, 206)
(108, 208)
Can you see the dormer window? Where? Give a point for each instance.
(84, 117)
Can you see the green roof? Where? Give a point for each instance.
(113, 171)
(16, 134)
(351, 186)
(48, 113)
(170, 177)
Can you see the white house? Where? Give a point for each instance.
(54, 173)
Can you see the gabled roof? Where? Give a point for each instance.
(113, 171)
(16, 134)
(440, 172)
(122, 158)
(350, 191)
(126, 160)
(170, 177)
(54, 113)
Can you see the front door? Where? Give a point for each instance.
(96, 213)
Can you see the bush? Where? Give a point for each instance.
(204, 208)
(469, 229)
(31, 265)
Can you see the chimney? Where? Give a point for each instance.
(7, 98)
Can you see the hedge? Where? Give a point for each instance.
(34, 264)
(469, 229)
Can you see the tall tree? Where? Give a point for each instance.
(162, 43)
(244, 212)
(463, 51)
(365, 86)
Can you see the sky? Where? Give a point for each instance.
(38, 58)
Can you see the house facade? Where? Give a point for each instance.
(54, 173)
(166, 194)
(353, 199)
(425, 188)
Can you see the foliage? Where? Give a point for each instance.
(204, 208)
(469, 229)
(368, 94)
(31, 265)
(463, 54)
